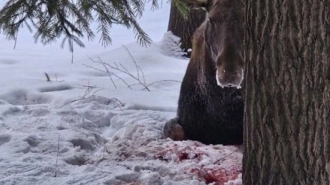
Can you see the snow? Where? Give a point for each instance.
(171, 45)
(82, 128)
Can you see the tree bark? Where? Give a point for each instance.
(185, 28)
(287, 92)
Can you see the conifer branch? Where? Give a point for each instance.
(50, 20)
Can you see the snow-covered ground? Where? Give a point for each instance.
(85, 126)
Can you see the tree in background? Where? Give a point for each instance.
(287, 93)
(184, 25)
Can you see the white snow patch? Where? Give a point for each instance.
(171, 45)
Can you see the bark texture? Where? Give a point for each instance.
(185, 28)
(287, 95)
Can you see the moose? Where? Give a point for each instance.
(211, 106)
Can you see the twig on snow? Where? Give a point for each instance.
(47, 77)
(110, 75)
(226, 156)
(107, 71)
(57, 154)
(90, 92)
(159, 81)
(139, 77)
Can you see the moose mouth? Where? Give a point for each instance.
(230, 80)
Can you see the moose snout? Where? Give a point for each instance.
(230, 78)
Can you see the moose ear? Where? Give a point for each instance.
(197, 4)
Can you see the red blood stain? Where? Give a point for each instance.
(217, 176)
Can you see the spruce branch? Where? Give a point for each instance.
(50, 20)
(182, 7)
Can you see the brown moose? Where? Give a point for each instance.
(210, 108)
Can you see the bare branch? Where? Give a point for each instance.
(163, 81)
(139, 77)
(110, 73)
(130, 54)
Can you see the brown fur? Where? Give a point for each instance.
(207, 112)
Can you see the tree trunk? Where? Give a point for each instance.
(287, 95)
(185, 28)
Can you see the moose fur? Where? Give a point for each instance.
(210, 107)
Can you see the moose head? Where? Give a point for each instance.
(223, 38)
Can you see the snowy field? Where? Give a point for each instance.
(99, 120)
